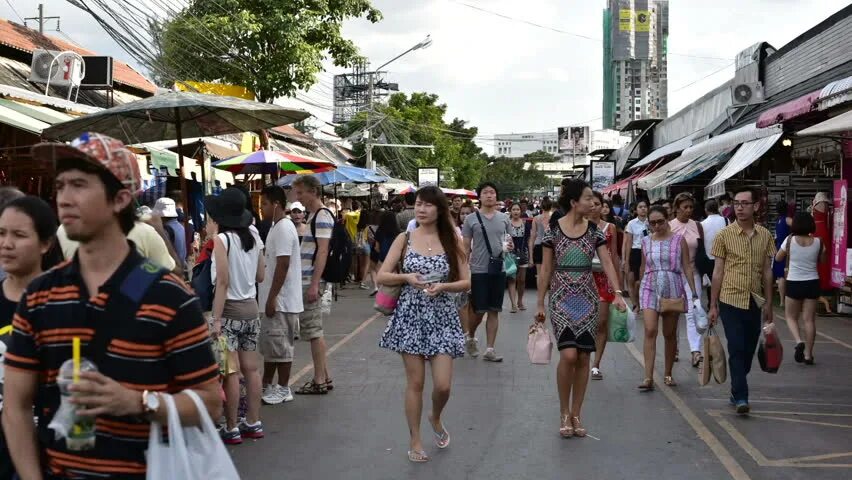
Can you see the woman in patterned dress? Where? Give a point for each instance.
(574, 299)
(600, 214)
(520, 241)
(665, 262)
(425, 325)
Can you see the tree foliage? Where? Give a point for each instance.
(273, 47)
(418, 119)
(512, 179)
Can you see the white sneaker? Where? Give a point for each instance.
(472, 346)
(271, 395)
(285, 393)
(491, 356)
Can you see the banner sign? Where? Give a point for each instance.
(573, 140)
(603, 174)
(428, 177)
(838, 236)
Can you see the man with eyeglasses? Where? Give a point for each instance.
(741, 291)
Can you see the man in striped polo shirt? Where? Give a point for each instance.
(147, 337)
(741, 292)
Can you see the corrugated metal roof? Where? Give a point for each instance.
(835, 93)
(44, 114)
(22, 121)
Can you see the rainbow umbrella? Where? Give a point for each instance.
(272, 162)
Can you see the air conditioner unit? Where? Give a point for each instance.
(747, 93)
(56, 68)
(98, 72)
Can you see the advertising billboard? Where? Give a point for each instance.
(427, 177)
(574, 140)
(631, 36)
(602, 173)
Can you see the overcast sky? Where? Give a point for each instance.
(507, 76)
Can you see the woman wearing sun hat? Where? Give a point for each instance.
(237, 268)
(821, 210)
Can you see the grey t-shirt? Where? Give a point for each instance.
(497, 227)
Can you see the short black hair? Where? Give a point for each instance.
(410, 198)
(711, 206)
(755, 196)
(546, 203)
(571, 191)
(127, 216)
(803, 224)
(782, 208)
(658, 209)
(275, 194)
(482, 186)
(617, 200)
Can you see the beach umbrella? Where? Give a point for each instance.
(273, 162)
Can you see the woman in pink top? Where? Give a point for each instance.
(684, 225)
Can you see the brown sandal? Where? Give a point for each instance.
(566, 428)
(311, 388)
(647, 385)
(669, 381)
(579, 431)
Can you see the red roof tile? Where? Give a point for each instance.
(26, 39)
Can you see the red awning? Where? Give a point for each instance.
(788, 111)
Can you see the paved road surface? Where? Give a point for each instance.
(504, 417)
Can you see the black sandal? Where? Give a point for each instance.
(329, 385)
(311, 388)
(809, 361)
(799, 355)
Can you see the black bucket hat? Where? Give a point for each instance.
(229, 208)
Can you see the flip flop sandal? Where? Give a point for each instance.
(647, 385)
(669, 381)
(417, 456)
(442, 440)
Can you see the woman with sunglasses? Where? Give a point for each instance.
(665, 260)
(692, 232)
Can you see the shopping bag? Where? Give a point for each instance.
(386, 299)
(621, 326)
(510, 265)
(715, 364)
(192, 453)
(770, 352)
(539, 344)
(701, 320)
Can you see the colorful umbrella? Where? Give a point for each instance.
(343, 174)
(271, 162)
(450, 192)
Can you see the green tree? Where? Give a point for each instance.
(418, 119)
(275, 48)
(512, 179)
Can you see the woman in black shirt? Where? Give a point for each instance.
(27, 248)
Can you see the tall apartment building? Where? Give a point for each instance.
(635, 66)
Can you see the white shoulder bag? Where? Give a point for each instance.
(192, 453)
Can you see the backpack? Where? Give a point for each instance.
(202, 280)
(340, 251)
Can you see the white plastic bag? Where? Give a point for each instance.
(193, 453)
(701, 321)
(631, 324)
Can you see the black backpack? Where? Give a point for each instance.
(202, 280)
(340, 251)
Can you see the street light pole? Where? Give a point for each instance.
(370, 88)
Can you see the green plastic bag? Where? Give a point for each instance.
(622, 325)
(509, 265)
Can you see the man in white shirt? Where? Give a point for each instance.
(280, 297)
(148, 242)
(712, 225)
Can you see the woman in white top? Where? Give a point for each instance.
(634, 232)
(693, 233)
(801, 252)
(237, 268)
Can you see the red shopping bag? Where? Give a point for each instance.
(770, 352)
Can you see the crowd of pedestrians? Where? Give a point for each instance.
(115, 279)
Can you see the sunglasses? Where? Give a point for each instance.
(655, 223)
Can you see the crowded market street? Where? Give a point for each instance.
(502, 416)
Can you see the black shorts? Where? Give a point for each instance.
(486, 291)
(635, 260)
(538, 255)
(803, 289)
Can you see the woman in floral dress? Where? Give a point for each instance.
(574, 299)
(425, 325)
(665, 262)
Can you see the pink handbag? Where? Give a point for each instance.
(539, 345)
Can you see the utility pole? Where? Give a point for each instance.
(41, 19)
(369, 131)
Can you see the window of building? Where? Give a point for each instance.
(638, 109)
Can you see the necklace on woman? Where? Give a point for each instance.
(428, 245)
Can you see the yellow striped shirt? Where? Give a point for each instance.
(744, 259)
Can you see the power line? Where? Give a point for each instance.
(20, 17)
(565, 32)
(703, 78)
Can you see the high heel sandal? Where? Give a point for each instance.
(579, 431)
(566, 428)
(669, 381)
(647, 385)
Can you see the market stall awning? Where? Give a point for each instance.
(684, 173)
(22, 121)
(665, 150)
(622, 155)
(836, 93)
(729, 140)
(788, 111)
(747, 154)
(833, 126)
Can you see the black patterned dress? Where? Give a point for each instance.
(574, 297)
(424, 325)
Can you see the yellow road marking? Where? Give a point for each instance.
(728, 461)
(308, 368)
(797, 420)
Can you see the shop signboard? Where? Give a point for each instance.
(838, 237)
(602, 173)
(427, 177)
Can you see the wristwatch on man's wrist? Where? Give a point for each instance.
(150, 402)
